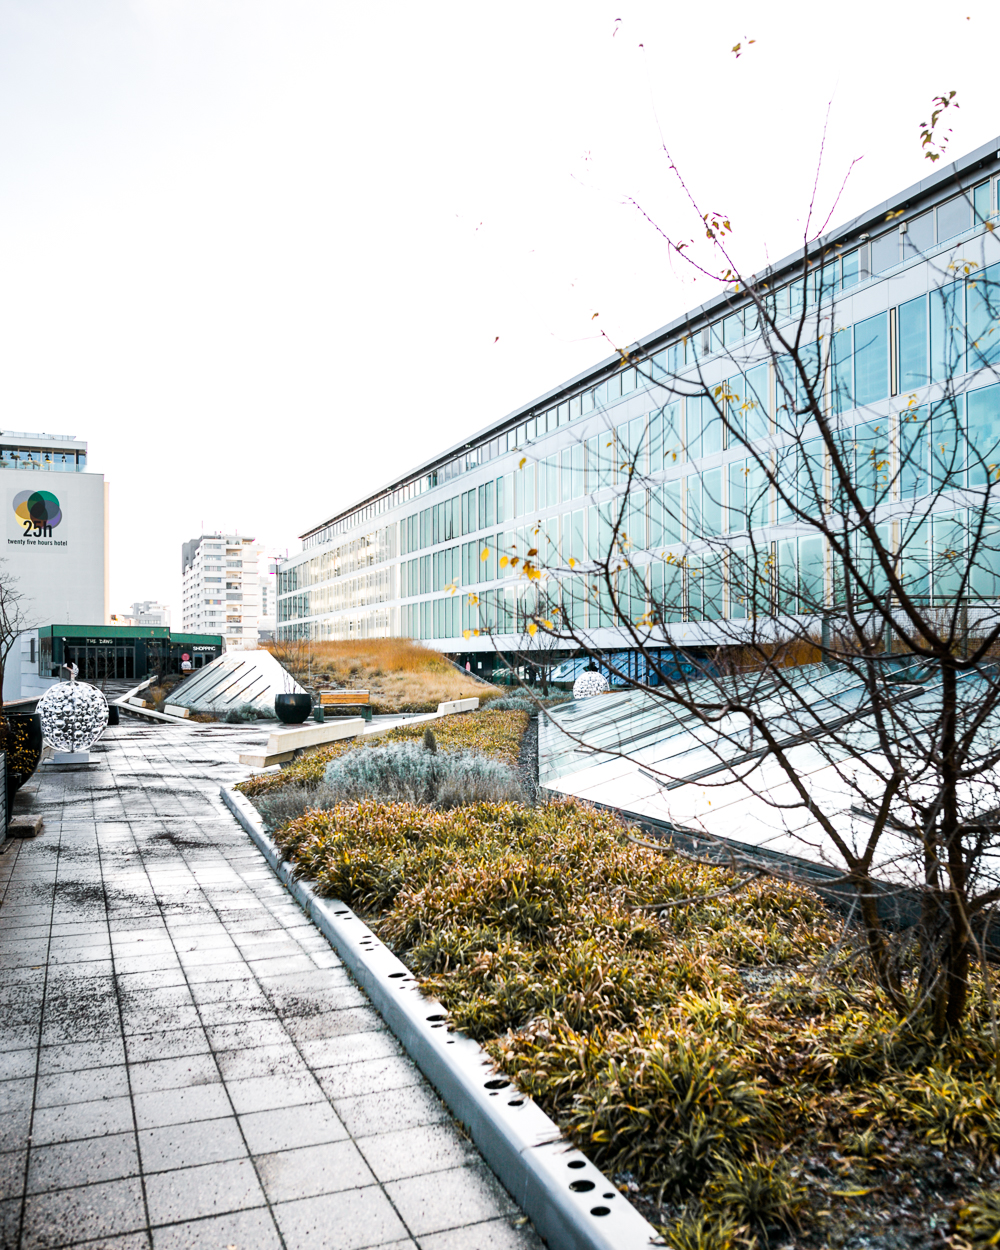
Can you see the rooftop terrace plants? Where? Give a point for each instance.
(497, 734)
(729, 1061)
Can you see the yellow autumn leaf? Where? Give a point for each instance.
(532, 629)
(524, 461)
(572, 563)
(466, 633)
(486, 554)
(547, 624)
(504, 562)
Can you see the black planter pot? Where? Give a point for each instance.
(292, 709)
(23, 744)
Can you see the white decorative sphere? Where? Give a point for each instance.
(589, 684)
(73, 715)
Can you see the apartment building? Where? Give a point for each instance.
(220, 588)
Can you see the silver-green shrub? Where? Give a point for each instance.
(406, 772)
(278, 807)
(513, 703)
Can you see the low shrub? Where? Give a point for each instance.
(401, 772)
(514, 703)
(489, 732)
(762, 1192)
(244, 714)
(278, 807)
(727, 1057)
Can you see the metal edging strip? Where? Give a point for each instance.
(572, 1205)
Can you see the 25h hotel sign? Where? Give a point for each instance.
(38, 514)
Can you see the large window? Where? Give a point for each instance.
(912, 328)
(871, 359)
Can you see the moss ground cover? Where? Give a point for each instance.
(725, 1060)
(494, 733)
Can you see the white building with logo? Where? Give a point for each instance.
(221, 592)
(56, 548)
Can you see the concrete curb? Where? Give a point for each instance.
(572, 1205)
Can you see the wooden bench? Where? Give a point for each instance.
(347, 698)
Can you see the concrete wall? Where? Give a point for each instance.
(62, 572)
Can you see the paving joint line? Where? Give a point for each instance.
(187, 984)
(121, 1026)
(29, 1142)
(273, 921)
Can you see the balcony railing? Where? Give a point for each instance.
(43, 463)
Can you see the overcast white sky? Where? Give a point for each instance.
(259, 254)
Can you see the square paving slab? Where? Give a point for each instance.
(184, 1062)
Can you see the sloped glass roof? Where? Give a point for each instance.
(233, 680)
(634, 751)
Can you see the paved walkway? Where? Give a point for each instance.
(183, 1060)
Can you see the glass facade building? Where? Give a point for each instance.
(903, 288)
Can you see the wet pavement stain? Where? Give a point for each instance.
(161, 1079)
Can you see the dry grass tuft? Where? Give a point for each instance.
(401, 675)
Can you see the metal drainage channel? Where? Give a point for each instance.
(572, 1205)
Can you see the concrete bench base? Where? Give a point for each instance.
(265, 761)
(283, 743)
(457, 705)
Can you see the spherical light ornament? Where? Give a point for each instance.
(589, 684)
(73, 716)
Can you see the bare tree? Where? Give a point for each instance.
(816, 485)
(13, 615)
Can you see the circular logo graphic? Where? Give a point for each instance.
(37, 509)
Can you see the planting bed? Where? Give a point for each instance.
(402, 676)
(494, 733)
(725, 1060)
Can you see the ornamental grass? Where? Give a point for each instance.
(401, 675)
(725, 1060)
